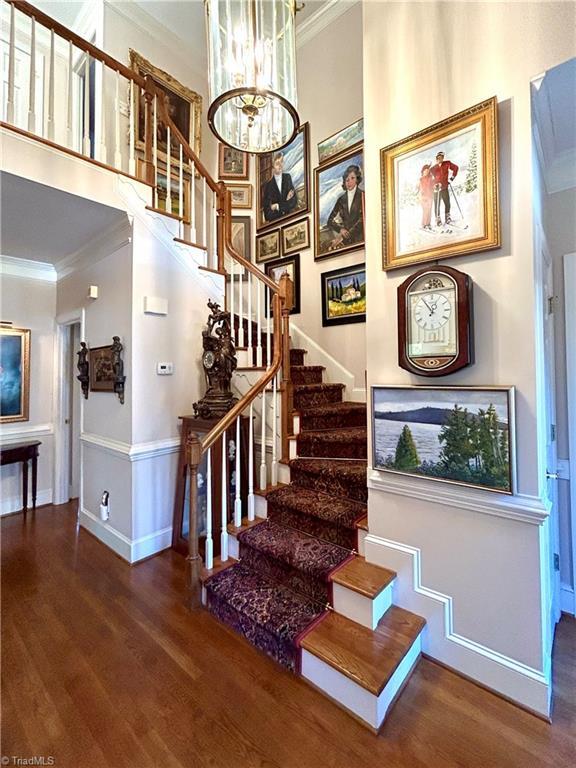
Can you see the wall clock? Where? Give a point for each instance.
(435, 321)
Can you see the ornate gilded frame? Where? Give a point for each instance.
(24, 335)
(484, 113)
(143, 67)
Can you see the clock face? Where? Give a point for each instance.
(431, 304)
(432, 311)
(208, 359)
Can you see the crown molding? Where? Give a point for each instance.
(110, 241)
(32, 270)
(320, 19)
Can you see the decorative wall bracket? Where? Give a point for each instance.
(83, 368)
(118, 368)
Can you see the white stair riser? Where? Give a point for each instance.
(293, 448)
(369, 708)
(296, 424)
(233, 546)
(361, 537)
(359, 608)
(260, 506)
(283, 473)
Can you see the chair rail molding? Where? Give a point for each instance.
(522, 508)
(14, 433)
(131, 452)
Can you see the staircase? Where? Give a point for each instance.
(301, 590)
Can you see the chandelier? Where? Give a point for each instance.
(252, 73)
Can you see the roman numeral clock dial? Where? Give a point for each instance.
(434, 322)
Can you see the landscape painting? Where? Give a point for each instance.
(456, 434)
(14, 374)
(342, 141)
(344, 296)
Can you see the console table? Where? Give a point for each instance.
(23, 452)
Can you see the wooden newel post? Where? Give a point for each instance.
(193, 564)
(148, 164)
(287, 302)
(223, 221)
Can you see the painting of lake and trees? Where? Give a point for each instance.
(457, 434)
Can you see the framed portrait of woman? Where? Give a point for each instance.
(339, 206)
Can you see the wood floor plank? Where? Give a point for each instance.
(104, 666)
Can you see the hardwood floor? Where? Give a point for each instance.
(102, 665)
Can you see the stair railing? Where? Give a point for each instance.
(65, 112)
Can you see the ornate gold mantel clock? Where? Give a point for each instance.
(435, 321)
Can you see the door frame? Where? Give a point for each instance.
(61, 401)
(569, 263)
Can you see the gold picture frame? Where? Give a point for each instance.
(240, 195)
(425, 216)
(15, 363)
(233, 163)
(184, 103)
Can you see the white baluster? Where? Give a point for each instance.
(70, 105)
(231, 286)
(32, 92)
(215, 230)
(268, 325)
(209, 546)
(155, 142)
(86, 144)
(11, 65)
(117, 149)
(263, 472)
(204, 232)
(180, 191)
(250, 350)
(251, 503)
(103, 150)
(274, 469)
(238, 500)
(168, 171)
(224, 533)
(193, 205)
(131, 152)
(51, 89)
(258, 326)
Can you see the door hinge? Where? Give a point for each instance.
(552, 433)
(551, 303)
(556, 561)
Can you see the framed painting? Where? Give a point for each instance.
(459, 435)
(162, 195)
(101, 369)
(296, 237)
(348, 138)
(241, 195)
(232, 163)
(344, 296)
(184, 105)
(241, 240)
(339, 206)
(275, 270)
(440, 190)
(15, 379)
(282, 182)
(267, 246)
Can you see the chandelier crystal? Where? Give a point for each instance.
(252, 73)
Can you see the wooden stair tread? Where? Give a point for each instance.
(231, 528)
(367, 657)
(169, 214)
(265, 491)
(183, 241)
(217, 567)
(362, 577)
(362, 524)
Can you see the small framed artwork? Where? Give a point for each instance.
(15, 366)
(232, 163)
(282, 182)
(344, 295)
(461, 435)
(241, 195)
(440, 190)
(339, 206)
(162, 196)
(185, 108)
(101, 369)
(241, 241)
(296, 237)
(348, 138)
(267, 246)
(291, 265)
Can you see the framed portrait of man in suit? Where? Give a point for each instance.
(339, 206)
(282, 182)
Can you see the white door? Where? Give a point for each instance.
(570, 310)
(74, 415)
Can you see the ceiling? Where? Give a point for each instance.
(44, 224)
(64, 11)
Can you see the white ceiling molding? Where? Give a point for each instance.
(98, 248)
(320, 19)
(33, 270)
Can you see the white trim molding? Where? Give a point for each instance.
(320, 19)
(132, 452)
(14, 266)
(10, 505)
(523, 508)
(131, 550)
(567, 599)
(13, 433)
(509, 677)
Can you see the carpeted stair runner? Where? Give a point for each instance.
(281, 587)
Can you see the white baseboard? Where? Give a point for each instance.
(511, 678)
(10, 504)
(567, 599)
(131, 550)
